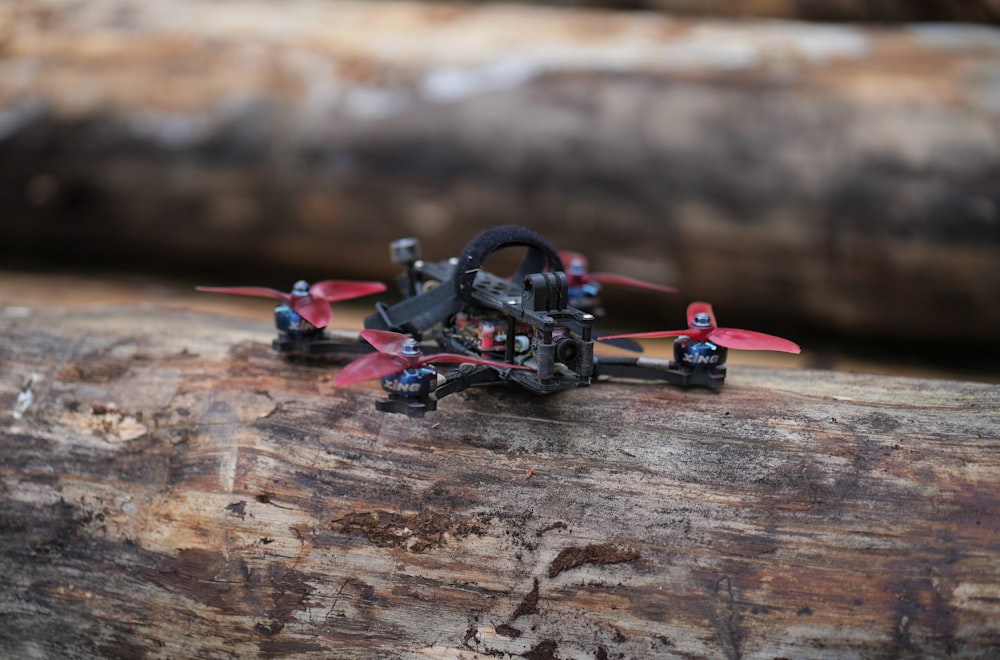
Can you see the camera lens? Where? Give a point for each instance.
(567, 350)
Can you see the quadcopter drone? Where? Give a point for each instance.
(523, 330)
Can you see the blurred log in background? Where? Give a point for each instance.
(812, 176)
(978, 11)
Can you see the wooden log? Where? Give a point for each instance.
(885, 11)
(173, 489)
(832, 176)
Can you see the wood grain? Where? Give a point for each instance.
(173, 489)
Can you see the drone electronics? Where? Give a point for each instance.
(524, 321)
(524, 330)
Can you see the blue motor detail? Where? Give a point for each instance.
(698, 355)
(411, 383)
(584, 296)
(288, 321)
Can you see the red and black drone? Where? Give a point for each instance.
(534, 329)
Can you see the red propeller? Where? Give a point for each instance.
(310, 302)
(397, 352)
(578, 272)
(702, 327)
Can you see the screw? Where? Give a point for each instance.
(411, 348)
(702, 320)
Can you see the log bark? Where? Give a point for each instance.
(173, 489)
(830, 176)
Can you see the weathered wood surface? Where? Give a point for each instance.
(172, 489)
(836, 176)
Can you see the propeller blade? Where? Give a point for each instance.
(378, 365)
(647, 335)
(315, 310)
(748, 340)
(256, 291)
(385, 341)
(624, 343)
(369, 367)
(696, 308)
(728, 337)
(337, 290)
(621, 280)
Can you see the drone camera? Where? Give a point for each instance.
(567, 350)
(405, 251)
(545, 291)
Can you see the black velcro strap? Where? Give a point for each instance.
(541, 255)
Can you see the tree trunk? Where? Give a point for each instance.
(174, 489)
